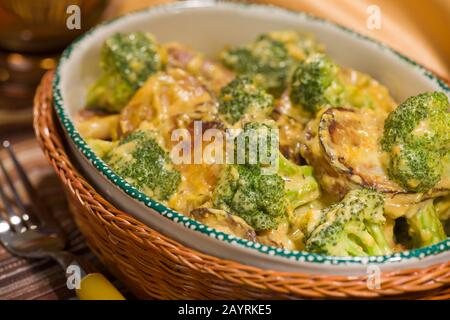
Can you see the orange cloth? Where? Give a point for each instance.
(417, 28)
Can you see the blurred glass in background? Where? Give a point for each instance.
(32, 35)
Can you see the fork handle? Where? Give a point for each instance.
(66, 259)
(93, 286)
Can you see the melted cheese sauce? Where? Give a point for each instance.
(168, 100)
(197, 185)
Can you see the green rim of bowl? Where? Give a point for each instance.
(194, 225)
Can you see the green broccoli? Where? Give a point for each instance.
(263, 198)
(300, 185)
(255, 197)
(242, 96)
(417, 137)
(271, 58)
(126, 61)
(314, 84)
(352, 227)
(299, 45)
(422, 120)
(319, 82)
(415, 168)
(141, 160)
(257, 143)
(424, 226)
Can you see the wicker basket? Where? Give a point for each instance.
(154, 266)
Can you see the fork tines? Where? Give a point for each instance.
(15, 209)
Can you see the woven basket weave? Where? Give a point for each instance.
(154, 266)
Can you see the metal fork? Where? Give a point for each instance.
(28, 231)
(31, 233)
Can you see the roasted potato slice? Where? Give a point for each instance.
(314, 155)
(280, 237)
(290, 121)
(225, 222)
(350, 142)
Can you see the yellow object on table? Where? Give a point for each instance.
(95, 286)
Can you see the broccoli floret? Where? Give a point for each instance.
(257, 143)
(110, 93)
(415, 168)
(140, 159)
(263, 198)
(417, 138)
(319, 82)
(315, 84)
(300, 185)
(422, 120)
(255, 197)
(271, 58)
(352, 227)
(299, 45)
(424, 226)
(242, 96)
(126, 61)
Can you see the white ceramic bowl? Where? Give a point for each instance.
(208, 26)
